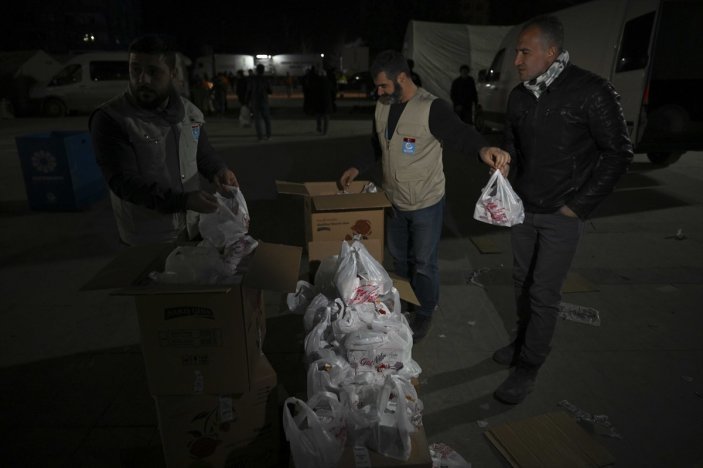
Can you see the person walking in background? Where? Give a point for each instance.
(411, 128)
(464, 95)
(241, 90)
(151, 146)
(567, 136)
(258, 99)
(320, 100)
(219, 93)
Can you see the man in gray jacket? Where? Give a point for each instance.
(411, 127)
(150, 144)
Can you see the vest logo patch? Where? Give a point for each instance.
(196, 131)
(409, 145)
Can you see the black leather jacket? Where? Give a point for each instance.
(570, 147)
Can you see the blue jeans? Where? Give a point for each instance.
(543, 248)
(413, 242)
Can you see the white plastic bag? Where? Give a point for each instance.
(498, 203)
(193, 264)
(299, 301)
(359, 277)
(245, 116)
(328, 375)
(320, 342)
(311, 445)
(360, 399)
(229, 222)
(379, 353)
(399, 412)
(443, 456)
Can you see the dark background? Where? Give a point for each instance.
(247, 27)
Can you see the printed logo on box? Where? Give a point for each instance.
(178, 312)
(43, 161)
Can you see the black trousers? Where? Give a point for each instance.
(543, 248)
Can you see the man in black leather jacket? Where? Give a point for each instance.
(569, 144)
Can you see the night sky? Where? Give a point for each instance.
(314, 26)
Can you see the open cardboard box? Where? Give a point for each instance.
(334, 216)
(200, 339)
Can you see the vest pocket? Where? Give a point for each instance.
(408, 186)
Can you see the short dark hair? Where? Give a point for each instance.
(391, 62)
(260, 69)
(464, 67)
(551, 28)
(154, 44)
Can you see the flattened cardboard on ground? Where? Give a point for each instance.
(223, 430)
(552, 440)
(361, 457)
(334, 216)
(201, 338)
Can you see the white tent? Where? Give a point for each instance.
(439, 49)
(36, 64)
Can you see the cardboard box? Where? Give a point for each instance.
(334, 217)
(223, 430)
(552, 440)
(354, 457)
(200, 339)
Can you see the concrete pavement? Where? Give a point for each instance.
(73, 386)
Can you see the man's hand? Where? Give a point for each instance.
(566, 211)
(348, 177)
(201, 201)
(495, 158)
(224, 177)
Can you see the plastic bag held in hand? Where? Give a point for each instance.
(229, 223)
(499, 204)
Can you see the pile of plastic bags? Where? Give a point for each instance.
(358, 349)
(225, 242)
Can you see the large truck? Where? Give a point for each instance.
(648, 49)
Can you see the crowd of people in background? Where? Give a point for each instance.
(318, 86)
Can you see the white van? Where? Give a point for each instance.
(84, 82)
(90, 79)
(648, 49)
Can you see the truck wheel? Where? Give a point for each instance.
(54, 108)
(663, 159)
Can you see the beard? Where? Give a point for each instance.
(148, 97)
(394, 97)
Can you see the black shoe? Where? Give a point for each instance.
(421, 326)
(518, 385)
(507, 355)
